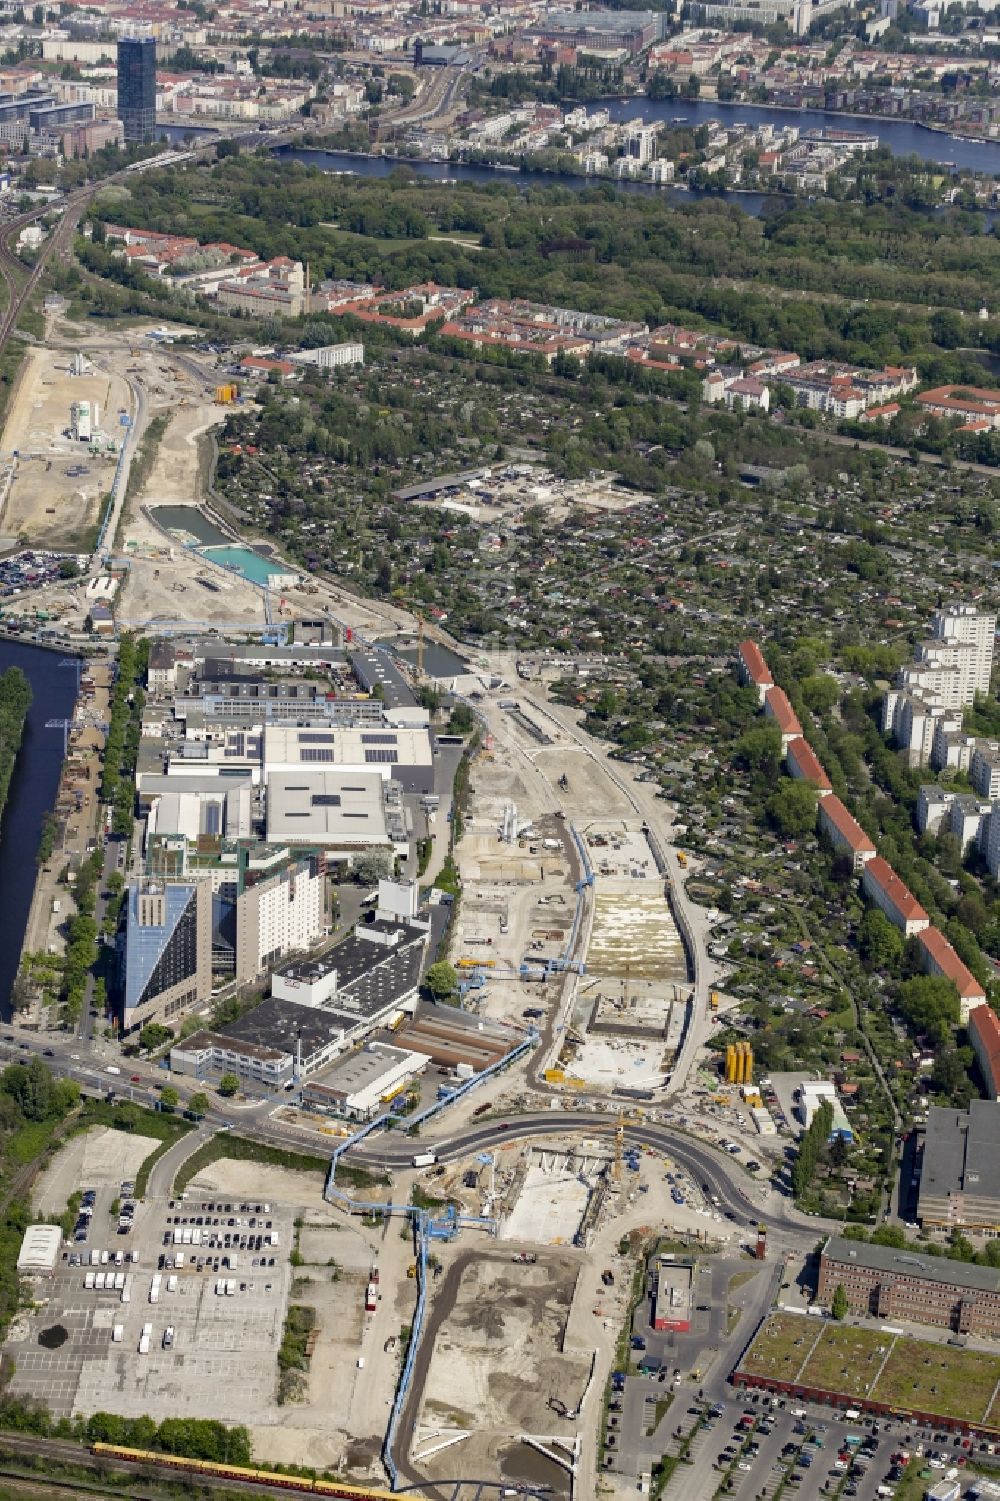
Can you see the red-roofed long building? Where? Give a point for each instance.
(939, 958)
(984, 1035)
(882, 886)
(752, 668)
(777, 707)
(844, 832)
(802, 761)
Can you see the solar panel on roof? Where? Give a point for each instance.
(370, 739)
(326, 738)
(316, 755)
(381, 757)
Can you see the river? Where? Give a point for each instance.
(33, 790)
(362, 165)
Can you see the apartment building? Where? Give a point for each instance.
(281, 914)
(752, 669)
(844, 832)
(989, 841)
(276, 289)
(984, 769)
(950, 668)
(984, 1036)
(933, 808)
(164, 950)
(802, 762)
(939, 958)
(777, 707)
(882, 886)
(885, 1283)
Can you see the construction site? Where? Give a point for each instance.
(60, 447)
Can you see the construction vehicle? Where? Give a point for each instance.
(682, 859)
(524, 1258)
(715, 1000)
(411, 1270)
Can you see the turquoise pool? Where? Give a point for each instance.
(252, 566)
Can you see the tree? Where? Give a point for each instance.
(169, 1097)
(441, 979)
(199, 1103)
(880, 943)
(372, 866)
(153, 1036)
(461, 721)
(820, 692)
(759, 748)
(813, 1142)
(930, 1005)
(839, 1305)
(229, 1085)
(792, 808)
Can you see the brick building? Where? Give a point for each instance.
(886, 1283)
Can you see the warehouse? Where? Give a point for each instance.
(338, 810)
(359, 1086)
(960, 1169)
(450, 1037)
(405, 755)
(40, 1251)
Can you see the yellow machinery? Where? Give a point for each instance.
(739, 1063)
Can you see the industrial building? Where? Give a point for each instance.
(451, 1038)
(960, 1168)
(330, 356)
(363, 1084)
(814, 1093)
(40, 1251)
(208, 1055)
(404, 755)
(341, 811)
(672, 1297)
(885, 1283)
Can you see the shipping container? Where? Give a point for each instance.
(424, 1159)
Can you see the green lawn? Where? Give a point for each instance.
(781, 1346)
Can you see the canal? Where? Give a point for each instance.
(33, 790)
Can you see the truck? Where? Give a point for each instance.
(154, 1289)
(171, 1284)
(100, 1279)
(179, 1260)
(230, 1289)
(119, 1281)
(371, 1298)
(88, 1281)
(144, 1338)
(425, 1159)
(117, 1334)
(127, 1291)
(852, 1414)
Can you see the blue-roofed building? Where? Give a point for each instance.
(165, 950)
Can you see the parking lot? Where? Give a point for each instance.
(757, 1444)
(178, 1306)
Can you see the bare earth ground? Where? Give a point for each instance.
(93, 1159)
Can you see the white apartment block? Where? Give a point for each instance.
(989, 841)
(965, 819)
(282, 914)
(933, 807)
(984, 772)
(949, 669)
(952, 748)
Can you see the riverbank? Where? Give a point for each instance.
(31, 796)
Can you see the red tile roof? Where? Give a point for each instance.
(984, 1027)
(881, 874)
(753, 660)
(947, 962)
(776, 700)
(846, 825)
(808, 764)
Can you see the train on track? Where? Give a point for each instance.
(344, 1489)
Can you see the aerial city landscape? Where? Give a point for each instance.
(500, 750)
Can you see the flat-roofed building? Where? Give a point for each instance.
(882, 886)
(673, 1296)
(40, 1250)
(886, 1283)
(341, 811)
(404, 755)
(361, 1085)
(960, 1168)
(844, 832)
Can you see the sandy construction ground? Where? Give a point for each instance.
(57, 484)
